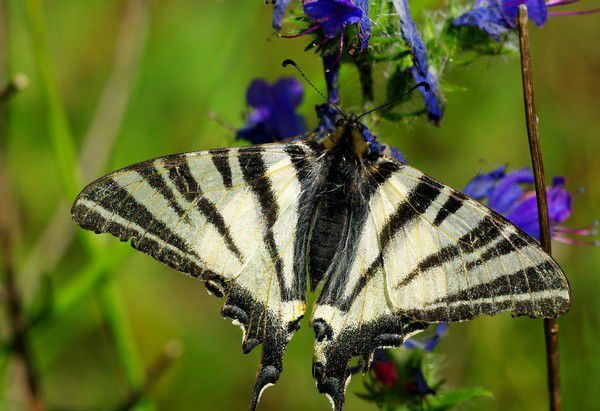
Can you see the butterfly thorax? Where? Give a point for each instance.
(347, 138)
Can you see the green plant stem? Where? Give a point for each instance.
(65, 153)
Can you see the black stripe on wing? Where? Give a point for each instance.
(154, 178)
(221, 163)
(188, 187)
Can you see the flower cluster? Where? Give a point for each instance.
(331, 20)
(512, 195)
(365, 33)
(496, 17)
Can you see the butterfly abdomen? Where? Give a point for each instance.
(328, 229)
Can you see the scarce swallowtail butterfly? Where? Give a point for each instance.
(391, 248)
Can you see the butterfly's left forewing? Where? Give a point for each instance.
(232, 218)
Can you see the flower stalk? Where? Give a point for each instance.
(550, 325)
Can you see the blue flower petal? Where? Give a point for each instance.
(482, 185)
(525, 216)
(412, 343)
(397, 154)
(525, 213)
(278, 10)
(331, 65)
(411, 36)
(558, 181)
(430, 343)
(288, 91)
(559, 204)
(508, 190)
(379, 355)
(258, 94)
(537, 10)
(327, 118)
(258, 129)
(489, 18)
(440, 331)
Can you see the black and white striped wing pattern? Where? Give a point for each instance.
(228, 217)
(425, 253)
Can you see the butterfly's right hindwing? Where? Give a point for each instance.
(234, 218)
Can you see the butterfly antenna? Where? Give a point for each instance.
(388, 104)
(290, 62)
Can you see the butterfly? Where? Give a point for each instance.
(390, 248)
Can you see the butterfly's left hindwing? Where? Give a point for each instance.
(232, 218)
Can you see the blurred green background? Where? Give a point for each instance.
(137, 80)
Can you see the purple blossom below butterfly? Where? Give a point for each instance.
(274, 116)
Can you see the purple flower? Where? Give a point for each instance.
(512, 195)
(420, 69)
(430, 343)
(488, 16)
(499, 16)
(482, 185)
(274, 116)
(332, 16)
